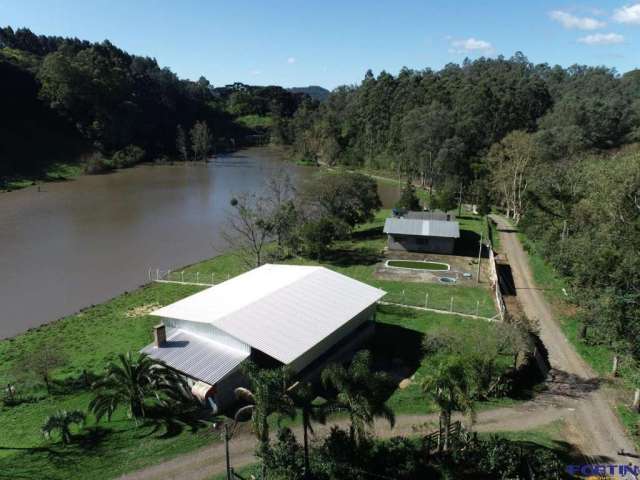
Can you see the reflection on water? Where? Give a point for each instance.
(79, 243)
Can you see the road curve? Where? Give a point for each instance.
(600, 434)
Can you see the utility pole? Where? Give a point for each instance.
(460, 202)
(479, 257)
(226, 449)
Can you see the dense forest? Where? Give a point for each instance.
(65, 98)
(553, 147)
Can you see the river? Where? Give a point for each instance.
(78, 243)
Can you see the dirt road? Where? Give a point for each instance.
(600, 434)
(207, 462)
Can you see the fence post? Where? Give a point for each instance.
(614, 369)
(636, 400)
(182, 276)
(451, 306)
(477, 307)
(157, 274)
(403, 299)
(426, 300)
(197, 277)
(212, 278)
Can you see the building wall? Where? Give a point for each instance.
(309, 356)
(208, 331)
(409, 243)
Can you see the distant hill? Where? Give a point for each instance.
(314, 91)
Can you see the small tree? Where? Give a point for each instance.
(201, 139)
(446, 196)
(250, 228)
(304, 399)
(61, 422)
(40, 362)
(130, 381)
(350, 197)
(360, 391)
(268, 396)
(408, 199)
(181, 143)
(448, 386)
(318, 235)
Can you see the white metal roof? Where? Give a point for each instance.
(281, 310)
(422, 228)
(196, 356)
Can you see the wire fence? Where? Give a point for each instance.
(187, 277)
(483, 308)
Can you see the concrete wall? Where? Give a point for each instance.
(409, 243)
(320, 348)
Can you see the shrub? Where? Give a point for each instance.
(128, 156)
(98, 163)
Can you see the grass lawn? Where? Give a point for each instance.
(399, 334)
(599, 357)
(357, 258)
(96, 335)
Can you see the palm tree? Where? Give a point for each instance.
(129, 381)
(449, 388)
(61, 422)
(268, 395)
(304, 399)
(361, 392)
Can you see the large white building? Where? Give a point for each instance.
(275, 314)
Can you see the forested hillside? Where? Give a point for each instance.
(64, 98)
(553, 147)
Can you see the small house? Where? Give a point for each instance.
(425, 232)
(299, 316)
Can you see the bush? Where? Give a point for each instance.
(98, 163)
(128, 156)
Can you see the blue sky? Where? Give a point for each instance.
(330, 43)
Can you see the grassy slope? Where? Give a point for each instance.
(98, 334)
(599, 357)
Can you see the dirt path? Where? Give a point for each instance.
(207, 462)
(600, 434)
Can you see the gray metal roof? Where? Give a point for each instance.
(422, 228)
(196, 356)
(431, 215)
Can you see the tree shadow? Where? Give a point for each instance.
(396, 351)
(351, 257)
(468, 245)
(368, 233)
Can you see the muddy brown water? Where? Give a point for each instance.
(78, 243)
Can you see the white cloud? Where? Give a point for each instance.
(291, 60)
(568, 20)
(602, 39)
(471, 45)
(628, 14)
